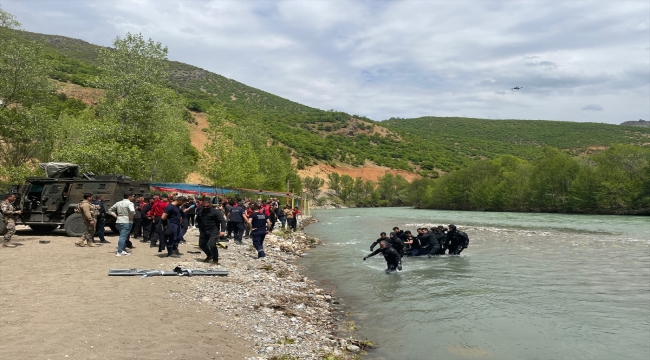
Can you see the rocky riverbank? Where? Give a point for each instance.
(271, 304)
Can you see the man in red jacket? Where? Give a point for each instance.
(156, 212)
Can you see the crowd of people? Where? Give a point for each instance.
(163, 220)
(430, 242)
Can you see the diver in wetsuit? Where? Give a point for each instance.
(440, 238)
(457, 240)
(400, 233)
(396, 243)
(414, 244)
(393, 260)
(432, 244)
(382, 237)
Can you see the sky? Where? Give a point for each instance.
(575, 60)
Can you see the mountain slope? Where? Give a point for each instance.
(337, 138)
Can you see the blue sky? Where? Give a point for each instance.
(576, 60)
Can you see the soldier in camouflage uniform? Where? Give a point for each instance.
(9, 216)
(89, 212)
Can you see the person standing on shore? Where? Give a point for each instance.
(238, 219)
(145, 215)
(212, 226)
(88, 213)
(191, 214)
(123, 212)
(172, 218)
(260, 225)
(281, 217)
(288, 214)
(136, 230)
(157, 229)
(100, 225)
(9, 216)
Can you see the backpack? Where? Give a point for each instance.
(77, 209)
(464, 237)
(94, 209)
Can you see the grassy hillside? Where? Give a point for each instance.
(423, 144)
(481, 138)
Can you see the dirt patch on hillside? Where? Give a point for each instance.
(198, 137)
(366, 172)
(90, 96)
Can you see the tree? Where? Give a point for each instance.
(26, 127)
(390, 187)
(347, 188)
(334, 182)
(313, 185)
(140, 124)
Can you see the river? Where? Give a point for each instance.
(530, 286)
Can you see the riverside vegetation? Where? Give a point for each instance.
(469, 164)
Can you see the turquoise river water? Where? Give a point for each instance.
(530, 286)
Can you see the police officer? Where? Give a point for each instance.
(396, 243)
(88, 213)
(392, 257)
(238, 220)
(101, 219)
(9, 216)
(260, 225)
(457, 240)
(212, 226)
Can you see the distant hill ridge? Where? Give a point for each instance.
(422, 145)
(640, 123)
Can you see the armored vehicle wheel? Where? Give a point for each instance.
(43, 228)
(74, 225)
(114, 229)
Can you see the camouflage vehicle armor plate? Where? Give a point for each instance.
(49, 202)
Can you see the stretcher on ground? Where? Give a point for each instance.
(176, 272)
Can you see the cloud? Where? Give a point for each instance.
(395, 58)
(592, 107)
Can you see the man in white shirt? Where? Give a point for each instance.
(123, 212)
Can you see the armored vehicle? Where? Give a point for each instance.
(48, 203)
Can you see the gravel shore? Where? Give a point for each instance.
(269, 303)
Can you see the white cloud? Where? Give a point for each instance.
(395, 58)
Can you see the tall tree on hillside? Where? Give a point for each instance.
(390, 187)
(313, 185)
(334, 182)
(26, 127)
(239, 155)
(139, 118)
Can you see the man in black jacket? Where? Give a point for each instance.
(457, 240)
(429, 242)
(382, 237)
(147, 219)
(101, 219)
(392, 257)
(212, 226)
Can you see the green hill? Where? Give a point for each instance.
(421, 144)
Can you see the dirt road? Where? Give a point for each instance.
(57, 302)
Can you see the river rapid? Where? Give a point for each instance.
(530, 286)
